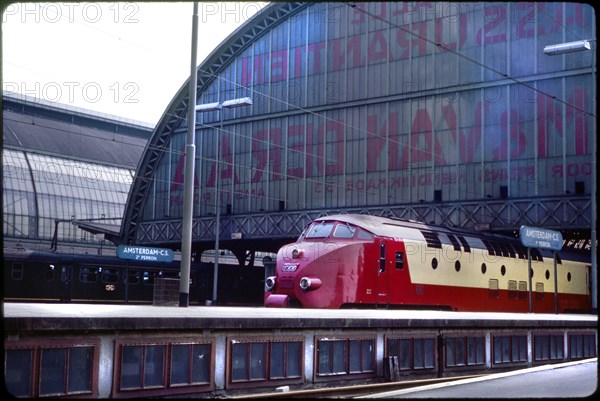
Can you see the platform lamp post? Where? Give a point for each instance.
(219, 106)
(188, 183)
(570, 47)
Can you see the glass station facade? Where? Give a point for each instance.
(392, 103)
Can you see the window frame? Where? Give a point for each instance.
(268, 341)
(512, 336)
(37, 346)
(536, 340)
(412, 369)
(347, 373)
(571, 335)
(167, 388)
(465, 345)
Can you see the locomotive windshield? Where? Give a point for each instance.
(320, 230)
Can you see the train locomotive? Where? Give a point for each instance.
(357, 260)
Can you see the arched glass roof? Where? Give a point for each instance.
(55, 170)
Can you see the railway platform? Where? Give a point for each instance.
(124, 351)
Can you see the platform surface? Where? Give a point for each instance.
(55, 316)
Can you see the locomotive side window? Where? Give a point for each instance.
(364, 235)
(382, 258)
(321, 230)
(344, 231)
(399, 260)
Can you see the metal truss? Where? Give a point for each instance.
(501, 215)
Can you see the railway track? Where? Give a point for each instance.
(353, 391)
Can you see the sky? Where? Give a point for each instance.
(124, 59)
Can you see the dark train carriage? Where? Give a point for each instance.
(46, 276)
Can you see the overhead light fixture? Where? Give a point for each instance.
(570, 47)
(209, 106)
(244, 101)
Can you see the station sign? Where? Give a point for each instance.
(534, 237)
(145, 253)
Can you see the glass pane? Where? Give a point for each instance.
(368, 355)
(277, 360)
(17, 375)
(497, 350)
(404, 355)
(319, 230)
(258, 361)
(324, 351)
(52, 371)
(339, 357)
(131, 367)
(475, 349)
(344, 231)
(201, 363)
(355, 355)
(239, 364)
(80, 369)
(154, 366)
(505, 349)
(460, 352)
(180, 364)
(419, 354)
(556, 347)
(294, 359)
(429, 357)
(451, 344)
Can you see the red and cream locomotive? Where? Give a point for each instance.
(357, 260)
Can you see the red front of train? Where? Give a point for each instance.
(326, 268)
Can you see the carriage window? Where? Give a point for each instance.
(320, 230)
(344, 231)
(17, 271)
(110, 276)
(50, 273)
(149, 277)
(88, 274)
(133, 277)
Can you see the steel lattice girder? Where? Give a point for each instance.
(563, 212)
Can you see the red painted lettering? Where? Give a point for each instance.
(495, 16)
(279, 65)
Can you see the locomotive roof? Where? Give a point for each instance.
(414, 230)
(409, 229)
